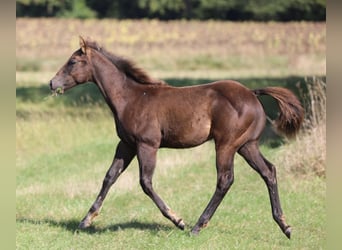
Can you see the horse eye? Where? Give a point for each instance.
(72, 61)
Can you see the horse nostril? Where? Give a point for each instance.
(50, 84)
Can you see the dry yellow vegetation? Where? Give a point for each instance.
(236, 48)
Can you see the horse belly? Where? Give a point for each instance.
(185, 135)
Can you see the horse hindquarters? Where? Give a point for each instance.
(232, 126)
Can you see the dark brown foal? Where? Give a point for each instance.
(150, 114)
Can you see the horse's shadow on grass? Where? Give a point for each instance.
(72, 226)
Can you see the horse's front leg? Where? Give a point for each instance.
(147, 162)
(123, 156)
(225, 178)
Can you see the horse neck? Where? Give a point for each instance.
(112, 83)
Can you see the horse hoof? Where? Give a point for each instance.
(181, 225)
(195, 231)
(83, 225)
(288, 232)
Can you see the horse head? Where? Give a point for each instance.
(76, 70)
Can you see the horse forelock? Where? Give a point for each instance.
(125, 65)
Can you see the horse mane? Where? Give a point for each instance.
(126, 66)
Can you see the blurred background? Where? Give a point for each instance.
(270, 37)
(237, 10)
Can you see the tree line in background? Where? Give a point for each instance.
(238, 10)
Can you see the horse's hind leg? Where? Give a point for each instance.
(122, 158)
(147, 162)
(250, 152)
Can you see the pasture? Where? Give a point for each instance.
(65, 144)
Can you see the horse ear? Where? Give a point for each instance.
(83, 45)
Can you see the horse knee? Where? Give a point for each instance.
(224, 182)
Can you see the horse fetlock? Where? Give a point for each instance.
(86, 222)
(283, 225)
(195, 230)
(198, 227)
(287, 232)
(180, 224)
(175, 219)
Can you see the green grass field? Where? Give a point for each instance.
(63, 152)
(65, 144)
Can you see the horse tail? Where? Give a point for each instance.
(291, 111)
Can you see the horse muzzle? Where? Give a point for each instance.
(56, 88)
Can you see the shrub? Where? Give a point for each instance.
(306, 155)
